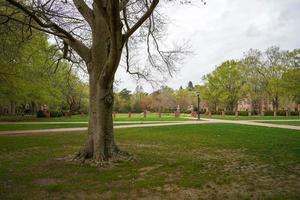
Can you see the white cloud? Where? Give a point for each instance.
(225, 29)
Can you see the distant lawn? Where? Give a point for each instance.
(79, 118)
(74, 118)
(292, 123)
(208, 161)
(254, 117)
(152, 119)
(12, 127)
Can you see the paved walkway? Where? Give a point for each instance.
(204, 121)
(17, 132)
(86, 122)
(253, 122)
(274, 120)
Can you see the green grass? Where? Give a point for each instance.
(12, 127)
(79, 118)
(209, 161)
(292, 123)
(74, 118)
(255, 117)
(152, 119)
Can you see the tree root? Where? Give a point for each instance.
(117, 156)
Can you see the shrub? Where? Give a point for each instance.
(40, 114)
(243, 113)
(269, 113)
(202, 112)
(281, 113)
(254, 112)
(294, 113)
(186, 112)
(56, 113)
(228, 112)
(216, 112)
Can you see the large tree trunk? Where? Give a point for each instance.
(105, 57)
(100, 145)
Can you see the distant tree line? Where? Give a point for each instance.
(272, 77)
(164, 99)
(31, 78)
(268, 80)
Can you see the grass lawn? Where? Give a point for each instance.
(255, 117)
(11, 127)
(79, 118)
(74, 118)
(292, 123)
(209, 161)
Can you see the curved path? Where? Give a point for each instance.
(148, 124)
(254, 123)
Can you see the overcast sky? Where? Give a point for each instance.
(225, 29)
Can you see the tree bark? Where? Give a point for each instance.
(33, 108)
(100, 145)
(12, 108)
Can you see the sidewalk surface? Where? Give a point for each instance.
(146, 124)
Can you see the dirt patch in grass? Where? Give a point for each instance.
(219, 154)
(46, 181)
(140, 146)
(143, 171)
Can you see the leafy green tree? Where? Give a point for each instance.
(224, 84)
(291, 77)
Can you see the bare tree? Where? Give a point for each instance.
(96, 32)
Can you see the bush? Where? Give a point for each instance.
(216, 112)
(281, 113)
(243, 113)
(40, 114)
(269, 113)
(228, 112)
(186, 112)
(294, 113)
(254, 112)
(202, 112)
(56, 113)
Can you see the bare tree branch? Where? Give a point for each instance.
(85, 11)
(45, 22)
(141, 20)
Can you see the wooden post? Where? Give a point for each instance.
(223, 113)
(274, 113)
(129, 114)
(236, 113)
(287, 112)
(262, 113)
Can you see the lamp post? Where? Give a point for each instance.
(198, 109)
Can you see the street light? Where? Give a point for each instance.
(198, 109)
